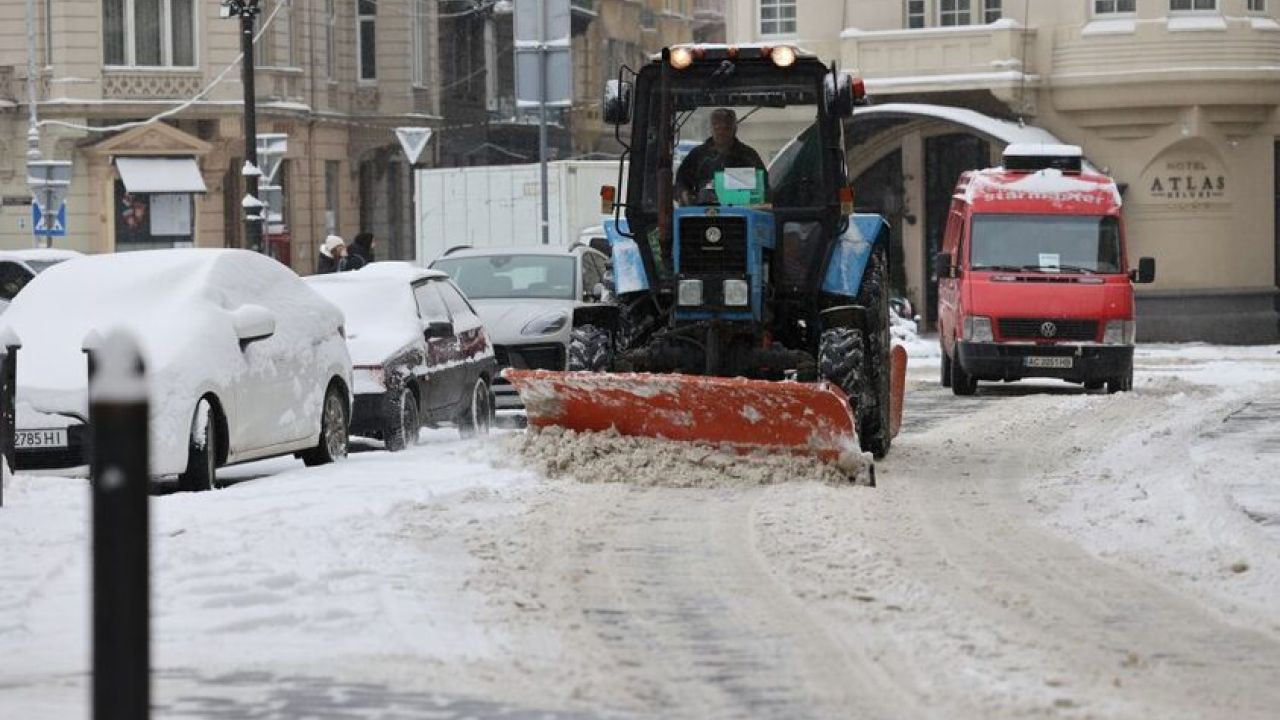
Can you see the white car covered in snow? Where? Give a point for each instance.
(243, 360)
(543, 307)
(419, 352)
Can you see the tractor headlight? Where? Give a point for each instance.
(783, 56)
(681, 58)
(546, 324)
(689, 292)
(978, 329)
(737, 292)
(1120, 332)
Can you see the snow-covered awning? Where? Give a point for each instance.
(160, 174)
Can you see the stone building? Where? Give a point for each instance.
(334, 76)
(1176, 98)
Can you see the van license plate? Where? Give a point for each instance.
(55, 438)
(1061, 363)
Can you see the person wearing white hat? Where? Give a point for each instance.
(333, 254)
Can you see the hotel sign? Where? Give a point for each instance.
(1187, 182)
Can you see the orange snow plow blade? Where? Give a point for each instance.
(813, 418)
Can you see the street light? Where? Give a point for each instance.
(248, 11)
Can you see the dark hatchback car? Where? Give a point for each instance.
(419, 353)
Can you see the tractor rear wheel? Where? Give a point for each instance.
(590, 348)
(875, 430)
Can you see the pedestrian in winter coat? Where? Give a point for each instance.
(334, 258)
(362, 247)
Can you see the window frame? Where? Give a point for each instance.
(1193, 10)
(779, 4)
(987, 9)
(966, 13)
(1117, 13)
(1259, 9)
(908, 16)
(361, 19)
(166, 39)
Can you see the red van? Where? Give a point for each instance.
(1033, 279)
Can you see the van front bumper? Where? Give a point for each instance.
(1007, 361)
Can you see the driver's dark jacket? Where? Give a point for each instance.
(702, 163)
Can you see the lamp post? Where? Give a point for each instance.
(248, 11)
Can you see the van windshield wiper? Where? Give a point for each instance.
(999, 268)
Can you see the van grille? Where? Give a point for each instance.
(1046, 329)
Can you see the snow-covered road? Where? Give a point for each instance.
(1031, 551)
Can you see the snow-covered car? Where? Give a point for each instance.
(543, 307)
(243, 360)
(419, 351)
(19, 267)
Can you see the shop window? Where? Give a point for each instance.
(1113, 7)
(992, 10)
(954, 12)
(915, 14)
(148, 221)
(367, 39)
(1187, 5)
(149, 33)
(777, 17)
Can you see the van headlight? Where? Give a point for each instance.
(737, 293)
(1120, 332)
(689, 292)
(978, 329)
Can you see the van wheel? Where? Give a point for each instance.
(334, 426)
(962, 383)
(1124, 383)
(202, 451)
(945, 375)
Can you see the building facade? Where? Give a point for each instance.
(1177, 99)
(334, 77)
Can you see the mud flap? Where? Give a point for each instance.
(811, 418)
(897, 386)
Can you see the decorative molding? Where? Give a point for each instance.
(153, 139)
(366, 100)
(135, 85)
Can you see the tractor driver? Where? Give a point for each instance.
(723, 149)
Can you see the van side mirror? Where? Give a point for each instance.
(617, 102)
(1146, 272)
(942, 265)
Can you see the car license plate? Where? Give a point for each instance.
(40, 438)
(1050, 362)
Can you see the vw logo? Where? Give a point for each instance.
(1048, 329)
(712, 235)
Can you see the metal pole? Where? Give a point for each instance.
(33, 127)
(121, 527)
(252, 228)
(542, 117)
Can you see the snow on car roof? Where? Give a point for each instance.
(41, 254)
(378, 307)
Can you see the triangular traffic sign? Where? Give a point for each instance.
(413, 140)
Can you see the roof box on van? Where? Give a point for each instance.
(1031, 158)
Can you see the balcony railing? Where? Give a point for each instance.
(936, 59)
(147, 84)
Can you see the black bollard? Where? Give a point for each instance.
(8, 389)
(121, 553)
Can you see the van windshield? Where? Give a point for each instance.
(1045, 243)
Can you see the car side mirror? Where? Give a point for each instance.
(617, 102)
(253, 322)
(438, 329)
(942, 265)
(1146, 272)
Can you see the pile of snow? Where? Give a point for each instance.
(602, 457)
(906, 333)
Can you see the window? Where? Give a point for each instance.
(430, 306)
(331, 196)
(149, 33)
(915, 14)
(992, 10)
(276, 44)
(453, 299)
(48, 33)
(512, 276)
(1257, 6)
(1110, 7)
(366, 39)
(1184, 5)
(1059, 243)
(954, 12)
(777, 17)
(330, 39)
(421, 43)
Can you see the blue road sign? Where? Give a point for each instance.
(59, 228)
